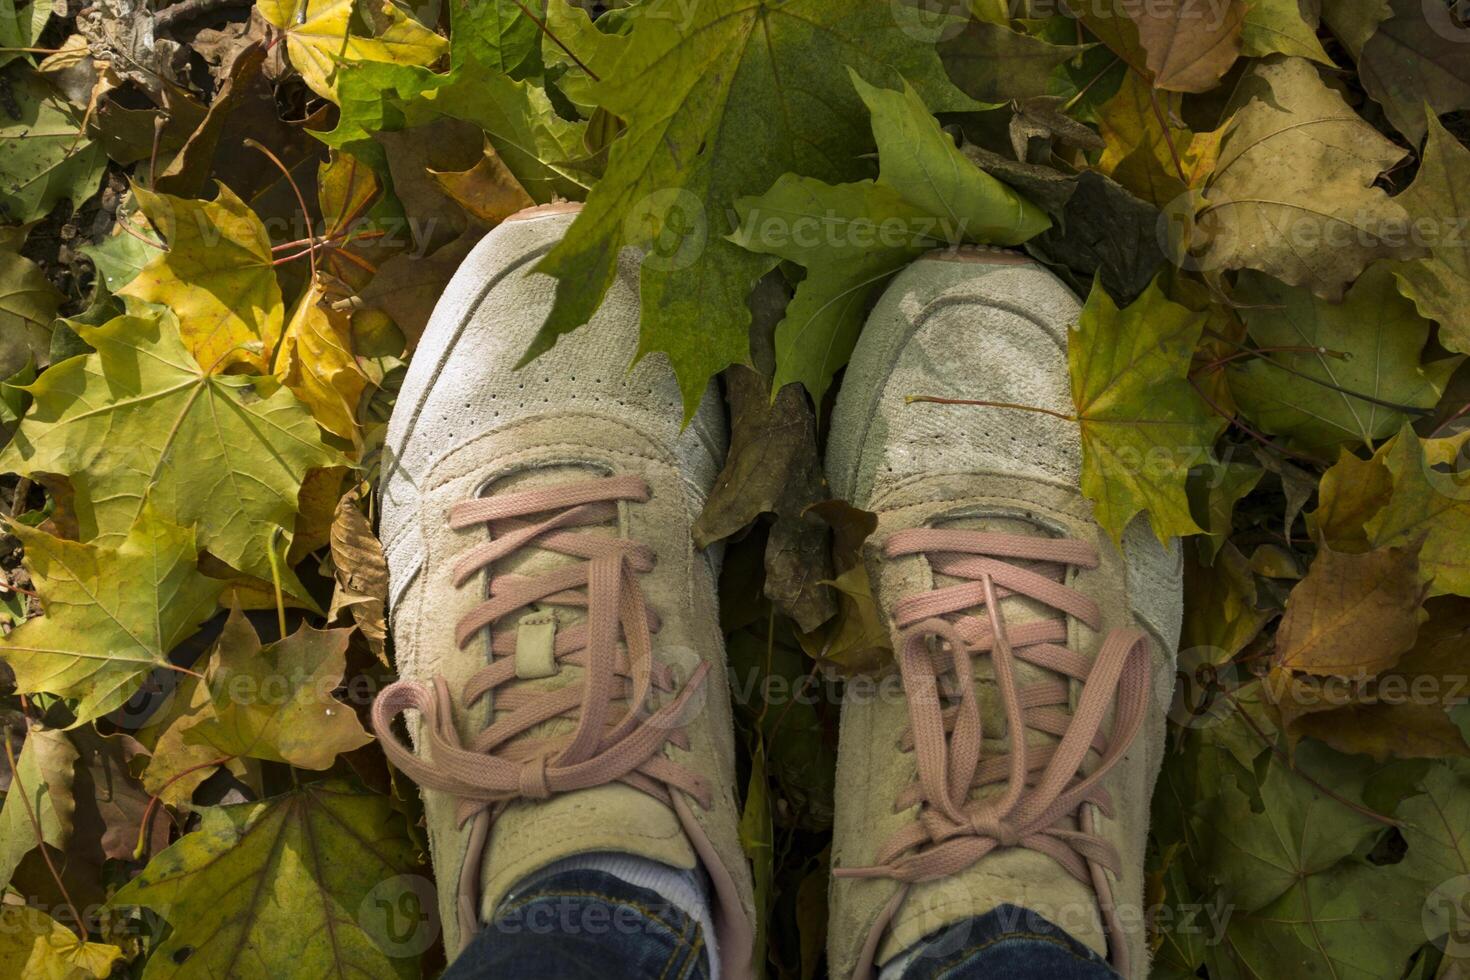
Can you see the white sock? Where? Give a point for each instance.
(894, 968)
(686, 890)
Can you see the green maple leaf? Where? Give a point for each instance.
(320, 39)
(139, 422)
(1263, 847)
(303, 884)
(45, 154)
(1143, 425)
(1439, 285)
(851, 237)
(1367, 347)
(1437, 827)
(518, 118)
(113, 612)
(275, 702)
(714, 110)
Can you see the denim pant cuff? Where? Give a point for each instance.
(584, 923)
(1009, 942)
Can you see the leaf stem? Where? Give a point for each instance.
(556, 40)
(270, 548)
(1153, 98)
(295, 188)
(19, 787)
(157, 798)
(1292, 768)
(937, 400)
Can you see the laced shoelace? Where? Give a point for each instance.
(502, 763)
(1044, 787)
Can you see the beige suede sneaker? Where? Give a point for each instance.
(1010, 611)
(562, 670)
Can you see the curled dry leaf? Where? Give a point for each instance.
(361, 572)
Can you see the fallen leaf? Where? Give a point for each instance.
(1351, 492)
(21, 27)
(317, 363)
(721, 65)
(112, 612)
(34, 946)
(1281, 27)
(1358, 378)
(1142, 424)
(39, 805)
(1189, 43)
(851, 237)
(1434, 825)
(46, 152)
(110, 800)
(319, 38)
(216, 276)
(139, 424)
(1415, 60)
(1355, 21)
(286, 884)
(992, 63)
(488, 190)
(1225, 618)
(1438, 199)
(28, 304)
(1430, 504)
(361, 572)
(1214, 490)
(275, 702)
(1403, 712)
(1353, 615)
(1296, 171)
(773, 467)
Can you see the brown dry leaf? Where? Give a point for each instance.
(1296, 171)
(488, 190)
(407, 286)
(361, 571)
(1189, 43)
(773, 467)
(1352, 615)
(856, 640)
(1402, 713)
(110, 800)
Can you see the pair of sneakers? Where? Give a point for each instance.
(563, 673)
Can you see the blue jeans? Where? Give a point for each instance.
(589, 925)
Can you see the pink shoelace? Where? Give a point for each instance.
(609, 743)
(1044, 787)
